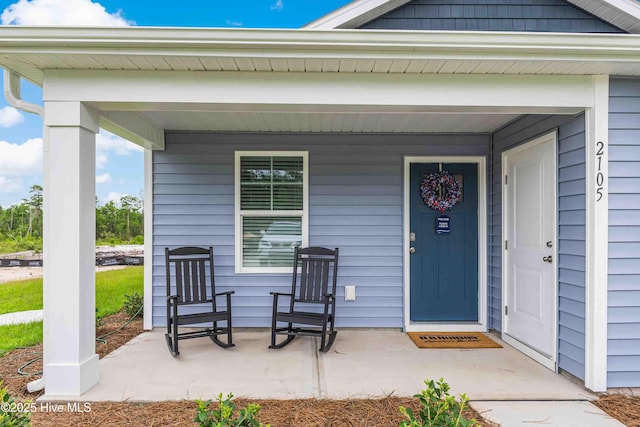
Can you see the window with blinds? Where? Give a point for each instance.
(271, 209)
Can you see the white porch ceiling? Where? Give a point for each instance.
(328, 122)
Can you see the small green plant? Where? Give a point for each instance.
(12, 413)
(225, 415)
(437, 408)
(133, 304)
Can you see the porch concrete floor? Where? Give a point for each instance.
(361, 363)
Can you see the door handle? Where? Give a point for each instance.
(412, 250)
(548, 259)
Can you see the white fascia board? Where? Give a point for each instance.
(356, 13)
(133, 127)
(629, 7)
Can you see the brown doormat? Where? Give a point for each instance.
(452, 340)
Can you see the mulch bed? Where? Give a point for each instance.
(285, 413)
(11, 362)
(302, 412)
(625, 409)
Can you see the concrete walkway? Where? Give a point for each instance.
(503, 384)
(553, 413)
(20, 317)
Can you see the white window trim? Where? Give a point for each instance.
(238, 214)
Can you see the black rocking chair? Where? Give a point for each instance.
(313, 286)
(192, 268)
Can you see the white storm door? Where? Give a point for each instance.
(530, 254)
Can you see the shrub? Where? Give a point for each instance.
(12, 413)
(225, 415)
(133, 304)
(437, 408)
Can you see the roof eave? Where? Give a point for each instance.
(22, 46)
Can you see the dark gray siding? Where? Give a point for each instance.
(355, 203)
(491, 15)
(623, 362)
(571, 229)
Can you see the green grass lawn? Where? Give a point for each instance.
(111, 287)
(16, 336)
(21, 296)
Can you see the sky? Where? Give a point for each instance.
(119, 163)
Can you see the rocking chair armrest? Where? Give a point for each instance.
(224, 293)
(279, 294)
(172, 297)
(328, 295)
(276, 295)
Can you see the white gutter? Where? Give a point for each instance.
(12, 94)
(313, 42)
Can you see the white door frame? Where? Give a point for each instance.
(481, 325)
(540, 358)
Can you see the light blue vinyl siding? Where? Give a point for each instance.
(571, 246)
(355, 203)
(491, 15)
(623, 362)
(571, 228)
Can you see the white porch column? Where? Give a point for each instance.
(597, 235)
(70, 360)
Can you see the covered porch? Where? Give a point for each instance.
(152, 84)
(361, 364)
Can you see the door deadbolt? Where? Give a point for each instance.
(549, 244)
(548, 259)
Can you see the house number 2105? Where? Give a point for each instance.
(599, 174)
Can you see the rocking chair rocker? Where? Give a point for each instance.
(192, 268)
(314, 285)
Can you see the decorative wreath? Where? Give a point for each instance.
(440, 191)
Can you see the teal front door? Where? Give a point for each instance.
(444, 267)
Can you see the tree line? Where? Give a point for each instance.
(116, 222)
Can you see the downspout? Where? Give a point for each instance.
(12, 94)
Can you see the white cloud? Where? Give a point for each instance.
(231, 23)
(9, 185)
(61, 12)
(114, 197)
(108, 144)
(21, 159)
(278, 5)
(105, 178)
(10, 117)
(101, 161)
